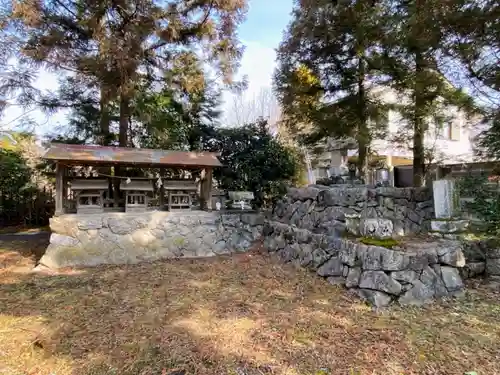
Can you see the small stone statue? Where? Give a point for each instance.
(218, 206)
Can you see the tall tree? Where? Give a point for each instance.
(118, 44)
(327, 66)
(476, 47)
(413, 43)
(253, 160)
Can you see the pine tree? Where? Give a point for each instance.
(327, 68)
(412, 46)
(477, 49)
(118, 44)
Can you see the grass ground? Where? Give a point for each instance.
(237, 315)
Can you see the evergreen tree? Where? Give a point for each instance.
(414, 38)
(476, 46)
(118, 44)
(327, 67)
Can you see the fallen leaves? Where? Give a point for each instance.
(229, 314)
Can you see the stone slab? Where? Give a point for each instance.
(493, 267)
(376, 227)
(375, 298)
(449, 226)
(240, 195)
(451, 278)
(444, 199)
(378, 280)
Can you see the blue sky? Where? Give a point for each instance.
(266, 21)
(260, 34)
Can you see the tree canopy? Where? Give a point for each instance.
(326, 60)
(150, 74)
(253, 160)
(111, 50)
(335, 56)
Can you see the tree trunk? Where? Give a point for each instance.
(418, 142)
(105, 137)
(419, 106)
(363, 131)
(124, 114)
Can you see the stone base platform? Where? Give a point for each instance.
(448, 227)
(126, 238)
(416, 273)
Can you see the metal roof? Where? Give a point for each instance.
(90, 154)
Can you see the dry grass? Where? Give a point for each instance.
(239, 315)
(24, 229)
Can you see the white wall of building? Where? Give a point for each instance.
(452, 143)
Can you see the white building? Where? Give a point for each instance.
(449, 140)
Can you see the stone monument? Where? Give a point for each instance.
(446, 209)
(445, 204)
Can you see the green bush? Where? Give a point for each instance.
(253, 160)
(485, 204)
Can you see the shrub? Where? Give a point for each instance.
(485, 203)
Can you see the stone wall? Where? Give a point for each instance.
(309, 226)
(379, 275)
(326, 209)
(482, 259)
(121, 238)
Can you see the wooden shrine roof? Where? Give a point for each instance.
(108, 155)
(89, 185)
(137, 185)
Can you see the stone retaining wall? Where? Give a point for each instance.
(482, 259)
(325, 209)
(121, 238)
(379, 275)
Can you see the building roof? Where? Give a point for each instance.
(90, 154)
(89, 184)
(137, 185)
(180, 185)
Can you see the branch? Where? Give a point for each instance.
(65, 7)
(198, 26)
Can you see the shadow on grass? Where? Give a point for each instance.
(22, 249)
(239, 315)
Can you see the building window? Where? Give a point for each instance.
(448, 130)
(445, 130)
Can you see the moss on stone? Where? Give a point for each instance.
(383, 242)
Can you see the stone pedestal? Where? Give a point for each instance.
(449, 226)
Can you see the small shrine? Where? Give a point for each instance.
(100, 179)
(180, 193)
(137, 195)
(89, 195)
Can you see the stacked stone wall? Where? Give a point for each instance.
(124, 238)
(309, 226)
(378, 274)
(340, 209)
